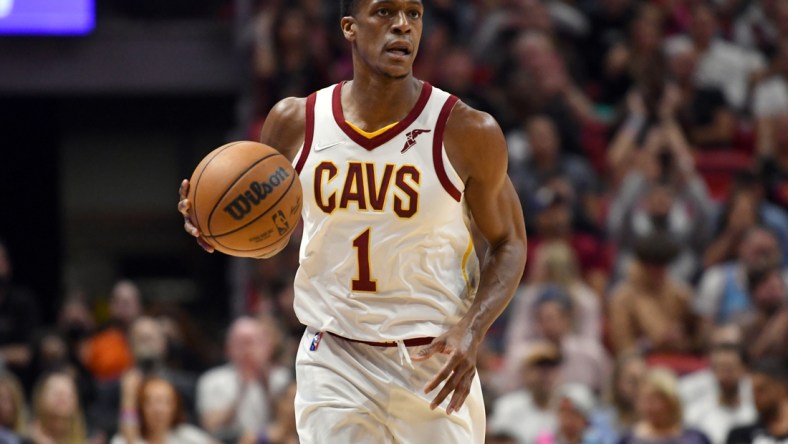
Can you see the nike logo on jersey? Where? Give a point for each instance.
(325, 147)
(411, 138)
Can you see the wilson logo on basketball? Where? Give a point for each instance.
(243, 203)
(411, 138)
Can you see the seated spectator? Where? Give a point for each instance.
(612, 422)
(661, 191)
(584, 360)
(701, 384)
(730, 403)
(234, 399)
(107, 354)
(576, 406)
(721, 64)
(158, 416)
(13, 410)
(650, 310)
(553, 223)
(283, 428)
(543, 160)
(770, 393)
(723, 292)
(659, 408)
(702, 111)
(57, 415)
(759, 26)
(770, 97)
(18, 320)
(149, 350)
(554, 265)
(765, 325)
(526, 413)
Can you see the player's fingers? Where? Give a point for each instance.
(191, 229)
(184, 189)
(448, 388)
(444, 373)
(425, 353)
(461, 392)
(205, 245)
(184, 205)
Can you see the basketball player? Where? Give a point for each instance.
(389, 287)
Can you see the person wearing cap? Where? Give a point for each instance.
(527, 412)
(575, 406)
(770, 393)
(650, 311)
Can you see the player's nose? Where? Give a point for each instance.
(401, 24)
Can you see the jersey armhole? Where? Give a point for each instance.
(438, 152)
(309, 132)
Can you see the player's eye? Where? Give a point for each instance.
(414, 14)
(383, 12)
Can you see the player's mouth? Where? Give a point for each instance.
(399, 50)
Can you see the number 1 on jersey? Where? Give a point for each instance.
(364, 281)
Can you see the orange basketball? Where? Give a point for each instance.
(246, 199)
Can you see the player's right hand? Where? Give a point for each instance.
(184, 206)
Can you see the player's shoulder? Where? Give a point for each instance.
(289, 109)
(474, 142)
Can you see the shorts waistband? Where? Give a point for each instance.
(413, 342)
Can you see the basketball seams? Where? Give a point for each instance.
(284, 194)
(232, 185)
(197, 182)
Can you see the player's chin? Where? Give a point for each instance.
(396, 72)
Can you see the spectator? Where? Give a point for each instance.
(770, 393)
(149, 350)
(107, 354)
(57, 415)
(703, 111)
(18, 319)
(234, 399)
(659, 408)
(612, 422)
(158, 416)
(649, 309)
(760, 25)
(13, 410)
(526, 412)
(553, 224)
(661, 191)
(576, 405)
(730, 403)
(584, 360)
(765, 325)
(283, 428)
(545, 162)
(554, 265)
(721, 64)
(770, 96)
(700, 384)
(723, 292)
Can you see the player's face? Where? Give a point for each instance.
(385, 34)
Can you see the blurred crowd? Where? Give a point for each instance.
(649, 146)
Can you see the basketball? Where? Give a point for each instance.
(246, 199)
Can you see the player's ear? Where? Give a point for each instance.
(348, 25)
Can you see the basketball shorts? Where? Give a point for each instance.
(362, 394)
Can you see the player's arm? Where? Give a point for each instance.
(283, 130)
(477, 149)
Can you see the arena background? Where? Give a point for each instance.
(99, 126)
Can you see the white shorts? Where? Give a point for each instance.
(352, 393)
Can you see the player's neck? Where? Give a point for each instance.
(371, 102)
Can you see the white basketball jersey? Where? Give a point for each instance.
(386, 252)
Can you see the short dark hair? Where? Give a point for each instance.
(657, 248)
(761, 273)
(347, 7)
(772, 367)
(732, 347)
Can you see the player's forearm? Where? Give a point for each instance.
(500, 276)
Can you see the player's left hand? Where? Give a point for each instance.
(462, 345)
